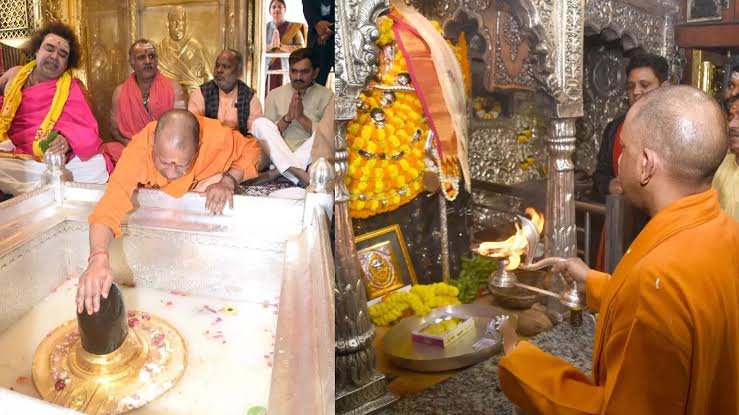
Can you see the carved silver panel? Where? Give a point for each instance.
(557, 27)
(647, 25)
(480, 41)
(510, 31)
(490, 210)
(356, 51)
(496, 155)
(604, 99)
(443, 9)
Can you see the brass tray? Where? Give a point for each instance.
(403, 352)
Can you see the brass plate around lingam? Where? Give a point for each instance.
(150, 361)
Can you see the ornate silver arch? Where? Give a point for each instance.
(648, 23)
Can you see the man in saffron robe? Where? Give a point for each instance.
(177, 154)
(142, 98)
(667, 337)
(44, 110)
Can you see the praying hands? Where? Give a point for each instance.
(324, 30)
(275, 43)
(296, 107)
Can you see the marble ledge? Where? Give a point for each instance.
(476, 390)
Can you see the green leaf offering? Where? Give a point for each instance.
(257, 410)
(475, 274)
(46, 142)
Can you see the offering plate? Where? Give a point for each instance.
(405, 353)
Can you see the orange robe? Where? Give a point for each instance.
(667, 338)
(220, 150)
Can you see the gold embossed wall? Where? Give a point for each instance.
(106, 47)
(185, 38)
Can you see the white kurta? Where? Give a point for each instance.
(22, 176)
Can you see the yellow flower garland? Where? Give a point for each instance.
(420, 300)
(464, 60)
(386, 162)
(387, 159)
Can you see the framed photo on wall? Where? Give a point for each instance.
(705, 10)
(386, 265)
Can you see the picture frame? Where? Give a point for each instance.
(704, 10)
(386, 264)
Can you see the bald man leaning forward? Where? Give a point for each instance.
(177, 154)
(667, 337)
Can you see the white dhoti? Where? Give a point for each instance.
(267, 133)
(21, 176)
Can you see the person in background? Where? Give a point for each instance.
(227, 98)
(295, 110)
(726, 179)
(645, 72)
(282, 36)
(320, 15)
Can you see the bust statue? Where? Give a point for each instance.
(182, 57)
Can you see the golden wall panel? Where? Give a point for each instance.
(187, 57)
(107, 48)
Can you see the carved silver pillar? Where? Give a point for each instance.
(558, 28)
(561, 237)
(360, 389)
(565, 84)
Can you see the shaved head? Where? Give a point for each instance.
(685, 127)
(180, 128)
(176, 141)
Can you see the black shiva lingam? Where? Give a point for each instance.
(110, 362)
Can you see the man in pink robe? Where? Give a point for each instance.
(142, 98)
(77, 123)
(57, 50)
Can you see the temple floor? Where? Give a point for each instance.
(476, 389)
(229, 346)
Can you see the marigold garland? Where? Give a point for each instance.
(464, 60)
(387, 159)
(420, 300)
